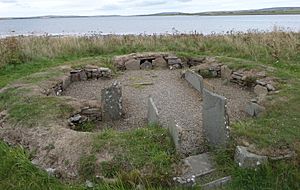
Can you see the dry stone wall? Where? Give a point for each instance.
(137, 61)
(89, 73)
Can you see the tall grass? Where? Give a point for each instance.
(265, 47)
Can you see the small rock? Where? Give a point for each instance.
(260, 90)
(246, 159)
(89, 184)
(226, 72)
(51, 171)
(262, 83)
(132, 64)
(160, 62)
(146, 65)
(270, 87)
(253, 109)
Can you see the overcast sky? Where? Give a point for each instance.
(25, 8)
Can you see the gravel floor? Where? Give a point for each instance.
(174, 98)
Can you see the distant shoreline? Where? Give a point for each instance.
(266, 11)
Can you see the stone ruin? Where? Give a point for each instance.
(214, 115)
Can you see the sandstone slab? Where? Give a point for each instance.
(111, 101)
(215, 119)
(194, 79)
(152, 116)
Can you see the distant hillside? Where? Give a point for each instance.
(265, 11)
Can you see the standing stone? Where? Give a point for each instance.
(246, 159)
(260, 90)
(215, 119)
(176, 131)
(160, 62)
(111, 100)
(132, 64)
(226, 73)
(152, 115)
(146, 65)
(194, 79)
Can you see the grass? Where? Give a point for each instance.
(274, 175)
(31, 111)
(144, 155)
(147, 155)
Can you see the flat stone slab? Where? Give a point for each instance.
(246, 159)
(215, 119)
(152, 116)
(194, 79)
(216, 183)
(199, 165)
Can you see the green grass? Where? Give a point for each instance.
(31, 111)
(17, 172)
(141, 155)
(283, 175)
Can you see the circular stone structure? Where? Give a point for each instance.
(174, 98)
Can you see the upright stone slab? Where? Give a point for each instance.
(111, 101)
(152, 115)
(215, 119)
(175, 131)
(194, 79)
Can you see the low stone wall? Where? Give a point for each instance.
(194, 79)
(215, 119)
(152, 114)
(137, 61)
(89, 73)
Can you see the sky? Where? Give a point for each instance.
(27, 8)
